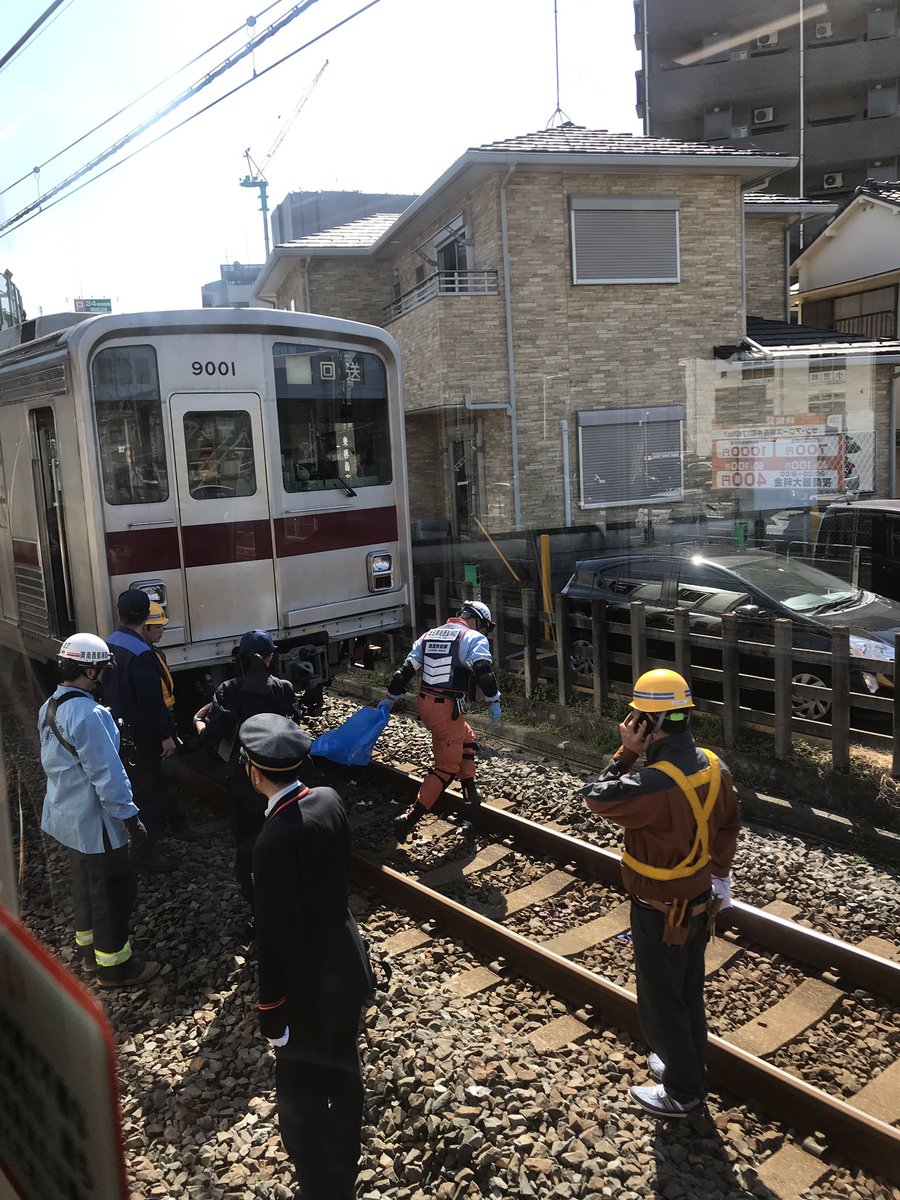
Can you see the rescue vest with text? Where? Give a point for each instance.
(443, 672)
(698, 856)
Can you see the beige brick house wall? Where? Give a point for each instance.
(765, 266)
(356, 289)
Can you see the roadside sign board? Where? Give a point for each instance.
(787, 453)
(60, 1132)
(85, 305)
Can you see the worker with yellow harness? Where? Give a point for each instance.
(681, 823)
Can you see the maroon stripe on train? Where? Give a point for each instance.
(234, 541)
(334, 531)
(142, 551)
(25, 553)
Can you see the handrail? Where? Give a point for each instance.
(443, 283)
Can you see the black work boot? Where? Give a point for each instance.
(406, 822)
(471, 794)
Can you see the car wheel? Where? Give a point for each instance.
(813, 708)
(581, 656)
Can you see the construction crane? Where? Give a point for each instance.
(257, 177)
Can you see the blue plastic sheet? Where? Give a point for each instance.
(353, 742)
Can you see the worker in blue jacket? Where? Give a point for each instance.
(134, 694)
(88, 809)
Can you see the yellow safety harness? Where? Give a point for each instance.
(698, 855)
(168, 683)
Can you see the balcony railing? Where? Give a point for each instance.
(443, 283)
(874, 325)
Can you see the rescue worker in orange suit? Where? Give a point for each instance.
(314, 972)
(455, 659)
(681, 821)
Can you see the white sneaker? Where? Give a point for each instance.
(657, 1100)
(655, 1066)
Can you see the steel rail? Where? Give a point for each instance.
(862, 1139)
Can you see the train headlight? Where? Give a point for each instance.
(380, 571)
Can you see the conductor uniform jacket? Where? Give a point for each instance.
(134, 690)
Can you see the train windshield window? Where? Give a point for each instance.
(130, 425)
(219, 448)
(332, 418)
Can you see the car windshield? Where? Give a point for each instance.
(795, 585)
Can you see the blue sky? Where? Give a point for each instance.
(410, 85)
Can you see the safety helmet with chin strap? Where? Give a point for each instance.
(85, 648)
(661, 691)
(474, 610)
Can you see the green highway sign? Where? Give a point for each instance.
(92, 306)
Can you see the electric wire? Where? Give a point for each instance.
(28, 32)
(5, 228)
(43, 29)
(125, 107)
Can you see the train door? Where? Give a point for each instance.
(51, 524)
(223, 500)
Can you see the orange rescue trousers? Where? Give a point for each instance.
(452, 744)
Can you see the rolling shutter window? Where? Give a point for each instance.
(626, 239)
(631, 456)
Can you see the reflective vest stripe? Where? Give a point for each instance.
(698, 856)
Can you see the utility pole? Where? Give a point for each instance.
(255, 178)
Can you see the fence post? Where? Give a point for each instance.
(563, 650)
(783, 654)
(638, 639)
(731, 678)
(600, 662)
(683, 644)
(840, 698)
(440, 601)
(498, 637)
(529, 640)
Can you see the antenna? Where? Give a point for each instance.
(256, 177)
(557, 112)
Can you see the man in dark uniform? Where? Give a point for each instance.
(681, 824)
(314, 971)
(134, 694)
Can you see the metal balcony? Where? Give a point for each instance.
(443, 283)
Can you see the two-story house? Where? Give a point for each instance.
(561, 300)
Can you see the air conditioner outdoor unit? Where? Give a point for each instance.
(834, 180)
(823, 30)
(763, 116)
(767, 39)
(740, 131)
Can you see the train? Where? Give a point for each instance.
(244, 467)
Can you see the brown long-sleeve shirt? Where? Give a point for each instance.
(657, 818)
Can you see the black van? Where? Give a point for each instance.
(864, 536)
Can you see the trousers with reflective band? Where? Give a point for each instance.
(698, 856)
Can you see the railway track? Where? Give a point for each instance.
(814, 981)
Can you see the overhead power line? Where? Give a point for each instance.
(28, 32)
(125, 107)
(4, 228)
(209, 78)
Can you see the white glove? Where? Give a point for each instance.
(721, 889)
(283, 1040)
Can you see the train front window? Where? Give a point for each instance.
(332, 418)
(219, 448)
(130, 425)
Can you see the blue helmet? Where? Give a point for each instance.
(474, 610)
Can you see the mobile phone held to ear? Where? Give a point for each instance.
(645, 724)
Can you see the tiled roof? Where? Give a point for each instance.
(889, 193)
(574, 139)
(362, 234)
(784, 334)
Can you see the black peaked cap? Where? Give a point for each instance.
(274, 743)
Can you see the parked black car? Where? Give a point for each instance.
(756, 585)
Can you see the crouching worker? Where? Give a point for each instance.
(314, 972)
(681, 823)
(454, 659)
(89, 809)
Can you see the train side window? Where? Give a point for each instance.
(219, 449)
(333, 421)
(130, 425)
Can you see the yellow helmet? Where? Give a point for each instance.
(156, 615)
(661, 691)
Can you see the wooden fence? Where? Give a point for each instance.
(724, 670)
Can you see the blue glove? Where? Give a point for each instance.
(494, 712)
(387, 703)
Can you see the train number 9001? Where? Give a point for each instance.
(212, 368)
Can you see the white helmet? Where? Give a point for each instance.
(85, 648)
(474, 610)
